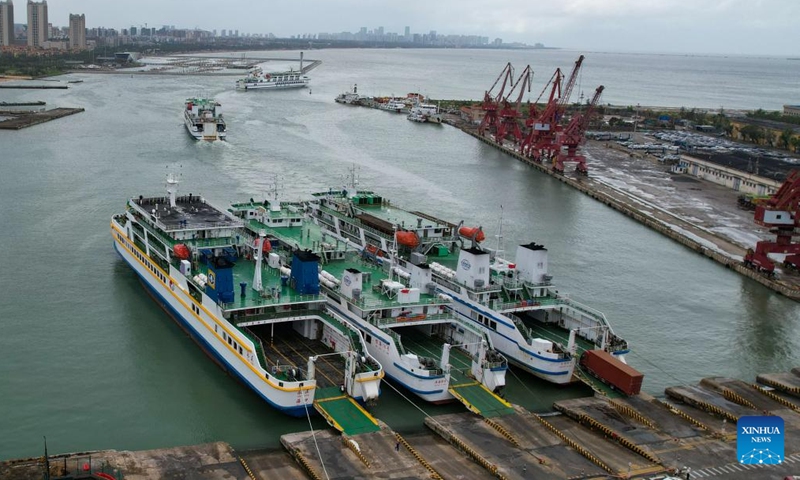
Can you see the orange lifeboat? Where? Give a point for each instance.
(266, 246)
(408, 239)
(470, 232)
(181, 251)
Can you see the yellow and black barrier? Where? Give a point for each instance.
(697, 423)
(307, 466)
(620, 439)
(434, 474)
(777, 398)
(734, 397)
(502, 431)
(627, 410)
(246, 468)
(492, 468)
(352, 446)
(572, 443)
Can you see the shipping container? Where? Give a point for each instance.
(612, 371)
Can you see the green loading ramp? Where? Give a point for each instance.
(343, 413)
(479, 400)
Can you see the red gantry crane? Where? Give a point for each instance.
(491, 103)
(541, 141)
(781, 213)
(509, 114)
(532, 122)
(568, 140)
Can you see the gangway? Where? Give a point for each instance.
(479, 400)
(343, 413)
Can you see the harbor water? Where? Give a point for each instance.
(90, 361)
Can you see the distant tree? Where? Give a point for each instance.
(786, 138)
(752, 133)
(795, 144)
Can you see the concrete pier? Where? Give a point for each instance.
(726, 253)
(692, 429)
(18, 120)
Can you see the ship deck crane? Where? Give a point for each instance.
(508, 123)
(572, 137)
(491, 102)
(541, 143)
(781, 214)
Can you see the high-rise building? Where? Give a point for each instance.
(408, 32)
(37, 23)
(134, 31)
(77, 31)
(6, 23)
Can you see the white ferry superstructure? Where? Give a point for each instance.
(514, 303)
(274, 335)
(203, 119)
(410, 331)
(257, 79)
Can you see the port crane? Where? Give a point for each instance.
(540, 143)
(781, 214)
(568, 140)
(492, 102)
(508, 123)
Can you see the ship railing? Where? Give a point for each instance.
(240, 318)
(396, 337)
(526, 332)
(538, 302)
(591, 312)
(356, 222)
(438, 318)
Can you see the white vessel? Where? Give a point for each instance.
(349, 98)
(203, 119)
(514, 303)
(258, 79)
(409, 330)
(275, 335)
(425, 113)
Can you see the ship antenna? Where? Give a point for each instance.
(500, 246)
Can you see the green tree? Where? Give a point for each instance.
(752, 133)
(786, 138)
(795, 144)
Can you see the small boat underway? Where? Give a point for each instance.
(258, 79)
(203, 119)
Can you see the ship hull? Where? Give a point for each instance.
(199, 133)
(176, 303)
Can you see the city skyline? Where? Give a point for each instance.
(670, 26)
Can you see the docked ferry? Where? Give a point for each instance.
(253, 304)
(203, 119)
(408, 328)
(514, 302)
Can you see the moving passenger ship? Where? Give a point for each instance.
(514, 303)
(274, 334)
(258, 79)
(203, 119)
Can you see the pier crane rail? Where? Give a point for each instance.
(781, 214)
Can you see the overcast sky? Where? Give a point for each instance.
(767, 27)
